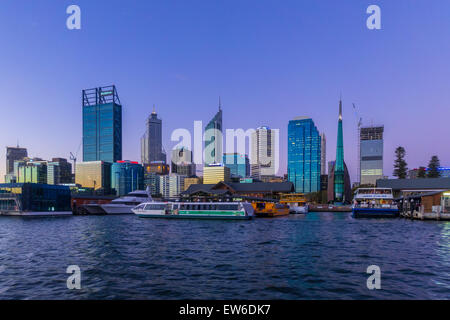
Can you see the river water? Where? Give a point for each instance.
(317, 256)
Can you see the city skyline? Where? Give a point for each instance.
(303, 89)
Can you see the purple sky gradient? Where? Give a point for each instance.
(270, 61)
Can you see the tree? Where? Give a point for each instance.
(400, 165)
(433, 167)
(421, 173)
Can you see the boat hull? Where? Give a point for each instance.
(375, 213)
(192, 216)
(116, 210)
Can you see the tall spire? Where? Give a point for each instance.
(340, 109)
(220, 104)
(154, 110)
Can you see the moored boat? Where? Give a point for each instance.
(270, 209)
(195, 210)
(374, 203)
(125, 204)
(296, 201)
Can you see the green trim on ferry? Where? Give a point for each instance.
(211, 212)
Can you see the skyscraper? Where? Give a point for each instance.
(263, 152)
(339, 164)
(304, 155)
(126, 176)
(182, 162)
(371, 154)
(323, 154)
(151, 142)
(213, 139)
(239, 164)
(14, 154)
(102, 125)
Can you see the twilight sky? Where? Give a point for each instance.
(270, 61)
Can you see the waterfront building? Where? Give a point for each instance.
(14, 154)
(182, 162)
(323, 154)
(102, 125)
(304, 155)
(339, 170)
(228, 190)
(95, 175)
(215, 173)
(263, 152)
(371, 154)
(171, 185)
(192, 180)
(214, 139)
(239, 164)
(59, 171)
(126, 176)
(34, 197)
(412, 187)
(31, 171)
(151, 142)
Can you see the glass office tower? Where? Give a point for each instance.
(102, 125)
(371, 154)
(304, 155)
(239, 164)
(126, 176)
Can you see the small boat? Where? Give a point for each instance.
(296, 201)
(374, 203)
(270, 209)
(195, 210)
(125, 204)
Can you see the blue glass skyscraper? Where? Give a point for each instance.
(239, 164)
(126, 176)
(304, 155)
(102, 125)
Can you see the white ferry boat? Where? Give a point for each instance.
(196, 210)
(374, 203)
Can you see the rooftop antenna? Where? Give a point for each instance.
(154, 110)
(220, 104)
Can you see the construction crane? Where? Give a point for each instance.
(358, 143)
(74, 159)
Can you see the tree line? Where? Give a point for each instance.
(401, 167)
